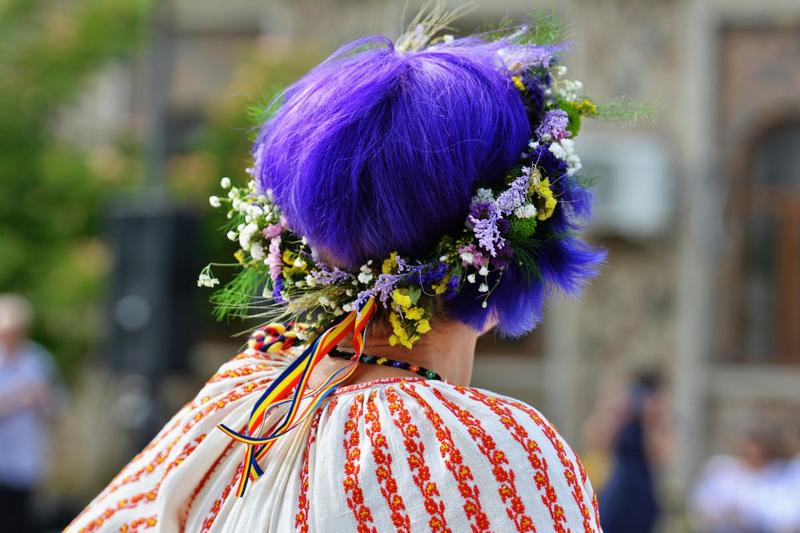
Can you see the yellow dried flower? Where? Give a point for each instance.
(389, 264)
(545, 210)
(415, 313)
(401, 297)
(423, 326)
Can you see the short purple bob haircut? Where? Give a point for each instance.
(377, 150)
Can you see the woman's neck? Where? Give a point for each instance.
(448, 349)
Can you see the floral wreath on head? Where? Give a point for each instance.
(510, 224)
(283, 278)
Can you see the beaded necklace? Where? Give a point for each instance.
(385, 361)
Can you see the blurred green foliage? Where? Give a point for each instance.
(56, 184)
(53, 189)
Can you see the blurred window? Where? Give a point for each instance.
(766, 212)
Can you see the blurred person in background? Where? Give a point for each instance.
(745, 492)
(26, 374)
(636, 432)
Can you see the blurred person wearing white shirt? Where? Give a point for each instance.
(740, 493)
(26, 375)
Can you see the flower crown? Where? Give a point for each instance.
(283, 278)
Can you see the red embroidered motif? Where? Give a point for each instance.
(539, 464)
(238, 372)
(416, 462)
(569, 466)
(352, 467)
(504, 476)
(188, 507)
(139, 524)
(301, 518)
(455, 464)
(217, 505)
(383, 470)
(149, 496)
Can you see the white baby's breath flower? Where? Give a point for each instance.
(298, 262)
(365, 277)
(232, 236)
(214, 201)
(206, 280)
(467, 257)
(483, 271)
(525, 211)
(324, 300)
(471, 278)
(311, 281)
(484, 304)
(225, 182)
(347, 308)
(257, 251)
(482, 196)
(483, 288)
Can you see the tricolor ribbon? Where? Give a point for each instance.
(291, 387)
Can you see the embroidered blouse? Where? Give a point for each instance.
(398, 454)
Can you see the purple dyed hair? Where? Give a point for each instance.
(377, 150)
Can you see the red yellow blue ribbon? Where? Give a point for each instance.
(291, 387)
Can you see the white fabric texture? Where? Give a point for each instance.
(400, 454)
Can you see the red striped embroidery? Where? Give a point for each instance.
(188, 507)
(213, 512)
(416, 462)
(139, 524)
(539, 464)
(570, 473)
(238, 372)
(383, 467)
(455, 464)
(352, 467)
(142, 497)
(515, 508)
(301, 518)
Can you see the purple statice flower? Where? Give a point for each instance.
(382, 289)
(516, 194)
(481, 210)
(277, 287)
(487, 233)
(553, 126)
(274, 259)
(328, 275)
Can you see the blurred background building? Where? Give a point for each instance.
(119, 119)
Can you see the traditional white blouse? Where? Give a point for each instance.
(399, 454)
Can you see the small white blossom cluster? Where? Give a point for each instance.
(565, 150)
(527, 210)
(562, 88)
(207, 279)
